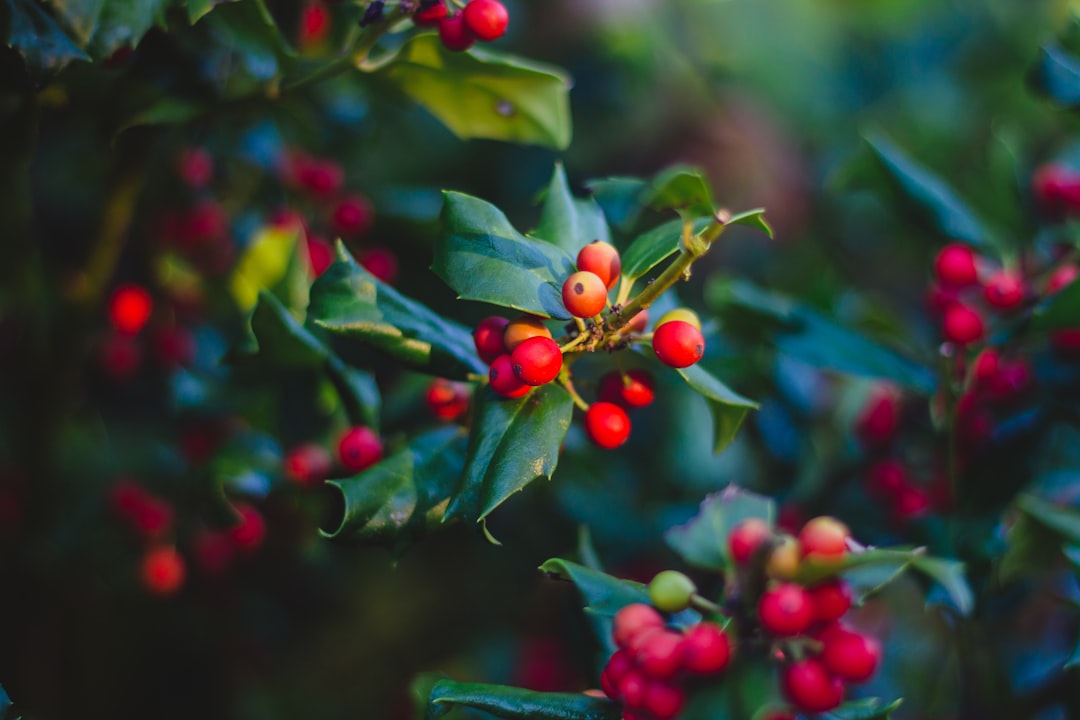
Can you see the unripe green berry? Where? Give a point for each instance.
(671, 591)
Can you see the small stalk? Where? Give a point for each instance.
(568, 385)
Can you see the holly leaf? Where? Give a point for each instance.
(1062, 520)
(512, 443)
(683, 189)
(1056, 75)
(104, 26)
(619, 198)
(394, 501)
(1061, 310)
(655, 246)
(482, 93)
(944, 210)
(752, 218)
(482, 257)
(349, 301)
(603, 593)
(42, 43)
(864, 709)
(949, 574)
(703, 540)
(568, 222)
(197, 9)
(513, 703)
(728, 408)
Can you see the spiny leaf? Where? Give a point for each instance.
(568, 222)
(517, 703)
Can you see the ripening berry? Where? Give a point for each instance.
(810, 688)
(850, 655)
(359, 448)
(308, 464)
(633, 619)
(684, 314)
(503, 380)
(678, 344)
(129, 308)
(486, 19)
(962, 325)
(632, 389)
(601, 259)
(954, 266)
(163, 570)
(353, 215)
(831, 599)
(607, 424)
(824, 539)
(584, 293)
(1061, 277)
(671, 590)
(746, 537)
(1005, 290)
(455, 34)
(250, 529)
(521, 329)
(783, 562)
(879, 419)
(658, 652)
(536, 361)
(488, 338)
(785, 609)
(431, 15)
(706, 649)
(447, 400)
(663, 700)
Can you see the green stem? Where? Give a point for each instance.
(568, 385)
(705, 605)
(362, 44)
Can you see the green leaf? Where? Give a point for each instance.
(817, 340)
(1056, 74)
(656, 245)
(44, 46)
(703, 540)
(728, 408)
(950, 575)
(358, 392)
(1074, 659)
(282, 340)
(1059, 311)
(104, 26)
(568, 222)
(865, 709)
(165, 110)
(394, 501)
(197, 9)
(514, 703)
(603, 594)
(683, 189)
(482, 93)
(512, 443)
(947, 212)
(1065, 521)
(619, 198)
(249, 30)
(349, 301)
(482, 257)
(270, 261)
(752, 218)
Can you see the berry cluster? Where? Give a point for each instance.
(484, 20)
(309, 464)
(447, 400)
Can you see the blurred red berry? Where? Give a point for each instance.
(745, 538)
(785, 609)
(810, 687)
(195, 166)
(129, 308)
(633, 619)
(607, 425)
(962, 325)
(488, 338)
(706, 649)
(163, 570)
(1061, 277)
(314, 24)
(214, 551)
(380, 262)
(353, 215)
(447, 400)
(879, 420)
(1005, 290)
(121, 356)
(431, 15)
(955, 267)
(320, 254)
(831, 599)
(308, 464)
(250, 529)
(455, 34)
(359, 449)
(486, 19)
(850, 655)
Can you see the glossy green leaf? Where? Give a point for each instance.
(947, 213)
(728, 408)
(358, 392)
(655, 246)
(949, 574)
(513, 703)
(348, 300)
(619, 198)
(865, 709)
(248, 29)
(513, 442)
(602, 593)
(568, 222)
(394, 501)
(816, 339)
(1063, 520)
(43, 44)
(703, 540)
(683, 189)
(752, 218)
(104, 26)
(482, 93)
(1056, 74)
(1061, 310)
(197, 9)
(482, 257)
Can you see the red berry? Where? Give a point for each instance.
(1061, 277)
(486, 19)
(1056, 189)
(824, 539)
(308, 464)
(809, 686)
(153, 518)
(601, 259)
(886, 478)
(196, 167)
(850, 655)
(380, 262)
(455, 34)
(785, 610)
(706, 649)
(911, 502)
(984, 369)
(163, 570)
(314, 23)
(940, 298)
(607, 424)
(633, 619)
(879, 420)
(488, 338)
(616, 668)
(831, 599)
(1005, 290)
(745, 539)
(321, 178)
(955, 266)
(659, 652)
(503, 380)
(447, 400)
(431, 15)
(353, 215)
(537, 360)
(663, 700)
(129, 308)
(678, 344)
(584, 293)
(359, 448)
(250, 530)
(962, 325)
(632, 688)
(632, 389)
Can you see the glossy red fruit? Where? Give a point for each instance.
(503, 380)
(632, 389)
(831, 600)
(824, 539)
(879, 421)
(746, 537)
(353, 215)
(706, 649)
(584, 293)
(632, 689)
(601, 259)
(536, 361)
(431, 15)
(984, 369)
(785, 610)
(1056, 188)
(955, 267)
(486, 19)
(359, 449)
(447, 400)
(314, 24)
(1061, 277)
(308, 464)
(663, 700)
(163, 570)
(521, 329)
(616, 668)
(850, 655)
(659, 652)
(488, 338)
(320, 254)
(962, 325)
(607, 424)
(250, 529)
(678, 344)
(455, 34)
(633, 619)
(810, 688)
(1005, 290)
(129, 308)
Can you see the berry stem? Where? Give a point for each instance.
(358, 46)
(568, 384)
(705, 605)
